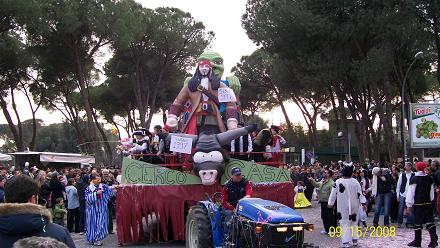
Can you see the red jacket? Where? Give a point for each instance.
(226, 204)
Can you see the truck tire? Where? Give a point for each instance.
(198, 232)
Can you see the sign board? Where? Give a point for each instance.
(137, 172)
(424, 125)
(226, 95)
(256, 173)
(181, 144)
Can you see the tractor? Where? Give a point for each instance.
(256, 223)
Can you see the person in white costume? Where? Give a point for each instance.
(348, 194)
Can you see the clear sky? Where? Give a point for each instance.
(223, 17)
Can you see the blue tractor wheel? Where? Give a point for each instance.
(198, 232)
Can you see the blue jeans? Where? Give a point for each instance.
(227, 222)
(383, 200)
(402, 205)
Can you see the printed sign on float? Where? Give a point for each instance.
(181, 144)
(138, 172)
(226, 95)
(424, 125)
(256, 173)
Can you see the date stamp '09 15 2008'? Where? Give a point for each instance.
(362, 232)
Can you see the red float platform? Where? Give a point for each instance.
(134, 202)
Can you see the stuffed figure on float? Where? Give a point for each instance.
(200, 109)
(198, 101)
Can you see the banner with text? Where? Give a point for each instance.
(424, 126)
(256, 173)
(138, 172)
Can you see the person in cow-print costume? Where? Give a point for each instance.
(348, 194)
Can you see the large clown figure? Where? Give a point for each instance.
(198, 101)
(348, 194)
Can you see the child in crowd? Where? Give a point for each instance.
(59, 211)
(300, 200)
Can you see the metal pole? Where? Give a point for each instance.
(349, 147)
(405, 152)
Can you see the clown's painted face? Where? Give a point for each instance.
(216, 62)
(204, 67)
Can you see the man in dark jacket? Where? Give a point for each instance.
(81, 186)
(234, 190)
(2, 191)
(21, 217)
(382, 185)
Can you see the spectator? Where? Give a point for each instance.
(39, 242)
(59, 212)
(2, 190)
(72, 206)
(44, 189)
(81, 186)
(366, 190)
(300, 201)
(401, 189)
(324, 189)
(21, 217)
(97, 196)
(308, 186)
(382, 185)
(394, 209)
(56, 188)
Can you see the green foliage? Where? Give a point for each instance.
(254, 72)
(153, 50)
(255, 119)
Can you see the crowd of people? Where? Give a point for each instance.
(85, 197)
(386, 185)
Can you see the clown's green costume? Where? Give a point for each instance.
(198, 102)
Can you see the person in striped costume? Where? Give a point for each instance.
(97, 196)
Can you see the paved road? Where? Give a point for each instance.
(311, 215)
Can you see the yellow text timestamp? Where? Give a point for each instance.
(362, 232)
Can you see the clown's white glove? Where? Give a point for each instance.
(171, 121)
(232, 123)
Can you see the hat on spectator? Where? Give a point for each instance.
(235, 171)
(420, 166)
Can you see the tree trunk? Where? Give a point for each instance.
(343, 117)
(85, 99)
(436, 38)
(20, 128)
(107, 148)
(139, 92)
(334, 108)
(155, 92)
(17, 140)
(387, 123)
(283, 108)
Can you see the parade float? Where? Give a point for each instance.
(205, 115)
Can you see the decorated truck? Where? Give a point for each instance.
(162, 202)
